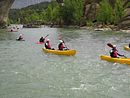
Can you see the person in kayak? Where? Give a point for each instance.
(61, 45)
(114, 52)
(47, 44)
(42, 39)
(20, 37)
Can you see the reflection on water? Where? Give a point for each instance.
(27, 72)
(6, 35)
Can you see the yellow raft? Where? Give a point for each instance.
(117, 60)
(127, 48)
(59, 52)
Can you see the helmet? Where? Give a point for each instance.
(20, 35)
(47, 40)
(114, 46)
(61, 41)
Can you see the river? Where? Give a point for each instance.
(27, 72)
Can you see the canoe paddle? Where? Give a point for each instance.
(46, 37)
(43, 40)
(124, 56)
(110, 45)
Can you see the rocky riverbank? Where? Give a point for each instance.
(91, 11)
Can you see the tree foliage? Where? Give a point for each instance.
(109, 15)
(119, 10)
(106, 13)
(71, 13)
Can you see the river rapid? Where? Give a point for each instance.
(27, 72)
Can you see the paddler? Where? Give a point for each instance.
(47, 44)
(114, 52)
(42, 39)
(20, 37)
(61, 45)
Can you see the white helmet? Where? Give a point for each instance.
(114, 46)
(61, 41)
(20, 35)
(47, 40)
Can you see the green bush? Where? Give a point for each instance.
(106, 13)
(119, 10)
(109, 15)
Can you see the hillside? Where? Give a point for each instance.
(16, 14)
(24, 3)
(77, 12)
(39, 6)
(91, 11)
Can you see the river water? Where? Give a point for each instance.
(27, 72)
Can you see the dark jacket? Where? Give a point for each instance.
(114, 53)
(42, 39)
(47, 45)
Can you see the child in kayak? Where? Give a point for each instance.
(61, 45)
(114, 52)
(47, 44)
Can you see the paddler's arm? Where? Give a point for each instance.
(122, 55)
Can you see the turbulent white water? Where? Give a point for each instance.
(27, 72)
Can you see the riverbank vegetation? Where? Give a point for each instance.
(110, 14)
(71, 13)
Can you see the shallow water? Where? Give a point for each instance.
(27, 72)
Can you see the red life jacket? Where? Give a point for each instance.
(115, 53)
(61, 46)
(48, 45)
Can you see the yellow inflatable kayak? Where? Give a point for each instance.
(59, 52)
(117, 60)
(127, 48)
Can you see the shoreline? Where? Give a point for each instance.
(94, 28)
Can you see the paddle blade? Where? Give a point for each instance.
(46, 36)
(110, 45)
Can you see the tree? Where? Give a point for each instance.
(106, 13)
(72, 11)
(119, 10)
(78, 11)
